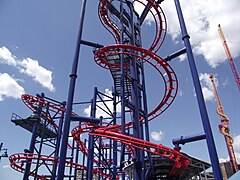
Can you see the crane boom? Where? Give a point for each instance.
(229, 56)
(224, 128)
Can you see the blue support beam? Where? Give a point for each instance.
(174, 55)
(186, 139)
(73, 77)
(86, 119)
(91, 139)
(36, 118)
(201, 103)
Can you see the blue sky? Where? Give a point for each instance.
(37, 45)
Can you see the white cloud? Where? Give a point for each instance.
(99, 111)
(41, 75)
(182, 57)
(225, 82)
(202, 23)
(207, 86)
(139, 7)
(6, 57)
(157, 135)
(236, 142)
(5, 166)
(29, 67)
(9, 87)
(236, 147)
(181, 93)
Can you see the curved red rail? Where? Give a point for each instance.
(180, 162)
(162, 67)
(158, 17)
(18, 161)
(113, 132)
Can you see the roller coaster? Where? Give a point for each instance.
(116, 145)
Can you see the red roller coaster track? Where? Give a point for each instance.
(180, 162)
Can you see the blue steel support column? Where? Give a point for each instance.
(114, 142)
(83, 162)
(151, 168)
(123, 121)
(140, 21)
(202, 107)
(73, 76)
(59, 134)
(76, 160)
(138, 169)
(31, 149)
(41, 141)
(32, 143)
(91, 139)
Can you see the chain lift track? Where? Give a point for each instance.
(118, 58)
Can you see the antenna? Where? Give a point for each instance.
(224, 128)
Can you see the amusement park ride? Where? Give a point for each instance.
(229, 56)
(3, 152)
(224, 128)
(117, 147)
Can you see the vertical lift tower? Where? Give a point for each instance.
(224, 128)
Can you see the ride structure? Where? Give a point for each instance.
(116, 145)
(3, 152)
(224, 128)
(229, 56)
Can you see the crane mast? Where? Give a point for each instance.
(224, 128)
(229, 56)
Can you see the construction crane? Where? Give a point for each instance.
(229, 56)
(224, 128)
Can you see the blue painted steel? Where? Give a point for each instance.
(41, 141)
(201, 103)
(151, 166)
(73, 76)
(100, 153)
(186, 139)
(76, 161)
(123, 117)
(174, 55)
(59, 133)
(91, 139)
(138, 170)
(86, 119)
(31, 149)
(32, 143)
(90, 157)
(114, 142)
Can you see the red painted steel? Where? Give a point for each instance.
(159, 20)
(224, 127)
(229, 56)
(180, 161)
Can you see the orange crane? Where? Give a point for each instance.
(224, 128)
(229, 56)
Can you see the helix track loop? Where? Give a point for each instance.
(158, 19)
(103, 55)
(109, 58)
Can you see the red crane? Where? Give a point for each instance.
(229, 56)
(224, 128)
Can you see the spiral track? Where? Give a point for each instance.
(113, 132)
